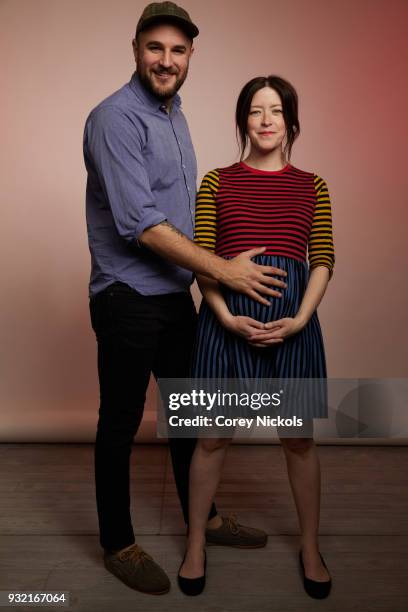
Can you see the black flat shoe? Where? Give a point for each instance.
(192, 586)
(315, 589)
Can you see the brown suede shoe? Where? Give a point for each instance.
(137, 570)
(231, 533)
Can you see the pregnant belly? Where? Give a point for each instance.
(285, 306)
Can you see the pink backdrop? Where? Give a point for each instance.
(59, 59)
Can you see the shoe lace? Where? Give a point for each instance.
(134, 553)
(232, 523)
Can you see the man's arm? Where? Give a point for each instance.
(113, 150)
(239, 273)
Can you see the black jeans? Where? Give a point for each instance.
(136, 335)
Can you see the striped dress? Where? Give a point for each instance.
(289, 212)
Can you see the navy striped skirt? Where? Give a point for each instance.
(222, 354)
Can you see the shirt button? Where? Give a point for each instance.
(184, 167)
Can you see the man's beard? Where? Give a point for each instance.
(162, 92)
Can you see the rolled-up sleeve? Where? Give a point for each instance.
(114, 145)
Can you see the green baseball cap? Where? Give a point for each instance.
(167, 12)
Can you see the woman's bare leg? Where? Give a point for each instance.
(205, 474)
(304, 475)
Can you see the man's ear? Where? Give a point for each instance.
(135, 47)
(191, 50)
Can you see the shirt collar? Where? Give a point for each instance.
(146, 97)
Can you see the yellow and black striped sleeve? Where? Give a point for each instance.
(205, 228)
(320, 247)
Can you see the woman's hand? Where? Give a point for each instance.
(275, 332)
(243, 326)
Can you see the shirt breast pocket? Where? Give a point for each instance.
(162, 165)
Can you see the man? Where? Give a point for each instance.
(140, 206)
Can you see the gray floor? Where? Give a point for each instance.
(49, 536)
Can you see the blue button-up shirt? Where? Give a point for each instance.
(141, 170)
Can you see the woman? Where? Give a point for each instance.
(263, 201)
